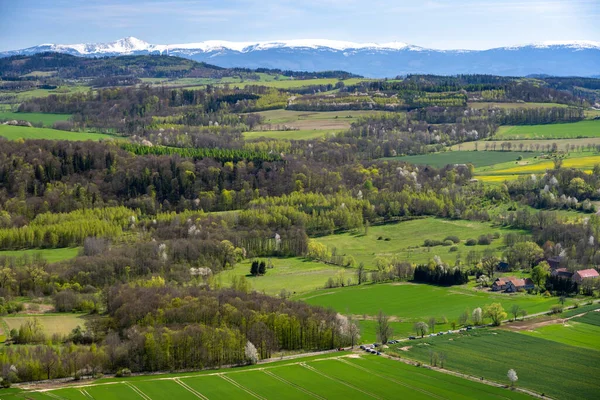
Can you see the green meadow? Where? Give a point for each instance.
(581, 129)
(558, 370)
(47, 119)
(409, 302)
(477, 158)
(302, 134)
(50, 255)
(295, 275)
(62, 324)
(405, 240)
(579, 332)
(22, 132)
(334, 376)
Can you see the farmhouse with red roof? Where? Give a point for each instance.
(579, 276)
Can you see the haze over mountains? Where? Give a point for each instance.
(568, 58)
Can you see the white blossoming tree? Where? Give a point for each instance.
(512, 377)
(251, 353)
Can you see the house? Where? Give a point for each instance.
(562, 273)
(502, 266)
(554, 262)
(512, 284)
(580, 276)
(499, 284)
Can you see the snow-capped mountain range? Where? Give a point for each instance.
(580, 58)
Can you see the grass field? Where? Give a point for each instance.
(296, 275)
(53, 323)
(23, 132)
(50, 255)
(581, 129)
(19, 97)
(308, 120)
(266, 80)
(417, 302)
(483, 105)
(558, 370)
(335, 376)
(294, 134)
(47, 119)
(477, 158)
(529, 144)
(406, 240)
(581, 331)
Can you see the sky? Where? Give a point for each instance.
(440, 24)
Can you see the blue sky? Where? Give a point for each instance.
(444, 24)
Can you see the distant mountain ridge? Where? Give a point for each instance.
(566, 58)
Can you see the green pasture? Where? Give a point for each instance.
(484, 105)
(47, 119)
(295, 275)
(62, 324)
(477, 158)
(292, 134)
(22, 132)
(406, 240)
(581, 129)
(574, 332)
(558, 370)
(408, 302)
(50, 255)
(337, 376)
(18, 97)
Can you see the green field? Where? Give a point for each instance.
(406, 240)
(581, 129)
(558, 370)
(408, 302)
(283, 82)
(484, 104)
(309, 120)
(477, 158)
(296, 275)
(47, 119)
(580, 331)
(325, 377)
(23, 132)
(50, 255)
(19, 97)
(62, 324)
(293, 134)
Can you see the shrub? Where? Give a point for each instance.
(123, 372)
(556, 309)
(471, 242)
(448, 243)
(380, 238)
(453, 248)
(484, 240)
(387, 239)
(455, 239)
(431, 243)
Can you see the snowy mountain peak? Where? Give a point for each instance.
(572, 44)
